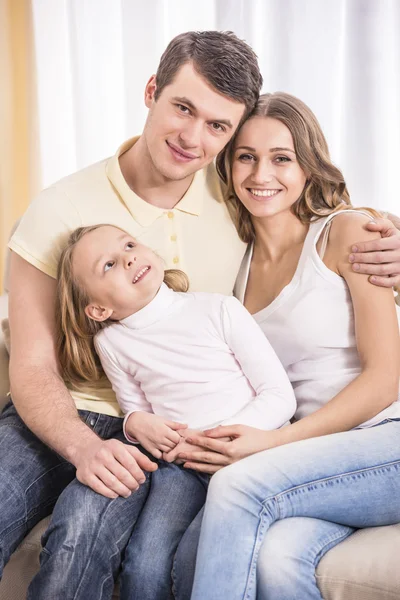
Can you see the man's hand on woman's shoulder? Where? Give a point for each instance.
(380, 258)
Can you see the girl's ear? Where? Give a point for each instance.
(98, 313)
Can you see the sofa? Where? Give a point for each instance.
(363, 567)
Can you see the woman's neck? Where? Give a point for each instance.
(277, 235)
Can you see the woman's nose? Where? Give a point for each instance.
(263, 173)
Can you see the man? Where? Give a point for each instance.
(163, 189)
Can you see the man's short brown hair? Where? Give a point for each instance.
(227, 63)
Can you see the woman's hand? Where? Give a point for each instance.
(183, 446)
(218, 453)
(153, 432)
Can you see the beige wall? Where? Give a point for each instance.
(19, 179)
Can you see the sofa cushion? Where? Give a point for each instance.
(363, 567)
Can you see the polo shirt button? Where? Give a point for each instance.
(175, 260)
(173, 238)
(92, 422)
(170, 215)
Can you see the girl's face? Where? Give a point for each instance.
(119, 275)
(266, 175)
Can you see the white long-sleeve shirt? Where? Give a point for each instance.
(196, 358)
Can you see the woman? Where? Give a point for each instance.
(337, 467)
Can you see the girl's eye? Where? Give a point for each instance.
(109, 265)
(246, 157)
(130, 245)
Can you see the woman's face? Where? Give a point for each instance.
(266, 175)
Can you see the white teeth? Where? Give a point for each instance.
(141, 272)
(266, 193)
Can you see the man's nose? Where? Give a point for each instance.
(190, 136)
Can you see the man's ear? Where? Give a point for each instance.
(98, 313)
(150, 91)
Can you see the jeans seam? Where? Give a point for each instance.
(280, 497)
(256, 549)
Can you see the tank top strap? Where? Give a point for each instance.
(322, 227)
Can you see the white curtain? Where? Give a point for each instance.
(342, 57)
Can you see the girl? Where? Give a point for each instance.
(338, 338)
(173, 359)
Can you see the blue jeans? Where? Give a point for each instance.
(176, 496)
(84, 543)
(300, 500)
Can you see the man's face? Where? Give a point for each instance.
(188, 124)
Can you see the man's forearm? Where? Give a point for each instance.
(47, 408)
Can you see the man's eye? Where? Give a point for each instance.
(109, 265)
(183, 108)
(218, 127)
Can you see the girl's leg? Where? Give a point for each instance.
(350, 478)
(176, 496)
(290, 554)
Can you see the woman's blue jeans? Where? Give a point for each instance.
(287, 506)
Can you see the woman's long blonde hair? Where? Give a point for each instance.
(75, 331)
(325, 190)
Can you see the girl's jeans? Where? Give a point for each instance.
(300, 500)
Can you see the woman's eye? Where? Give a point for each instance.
(246, 157)
(282, 159)
(109, 265)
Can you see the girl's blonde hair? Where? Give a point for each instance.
(325, 190)
(75, 331)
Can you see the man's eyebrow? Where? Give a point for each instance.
(189, 104)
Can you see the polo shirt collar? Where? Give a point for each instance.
(154, 311)
(143, 212)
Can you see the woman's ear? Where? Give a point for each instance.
(98, 313)
(150, 91)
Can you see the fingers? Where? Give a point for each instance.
(390, 242)
(98, 486)
(224, 431)
(175, 425)
(202, 468)
(207, 442)
(141, 459)
(386, 281)
(211, 458)
(377, 269)
(380, 225)
(172, 438)
(113, 482)
(380, 256)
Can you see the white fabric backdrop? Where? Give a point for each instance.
(342, 57)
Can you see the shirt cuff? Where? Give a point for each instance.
(127, 436)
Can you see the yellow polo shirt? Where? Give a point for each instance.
(197, 235)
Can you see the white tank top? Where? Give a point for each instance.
(310, 325)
